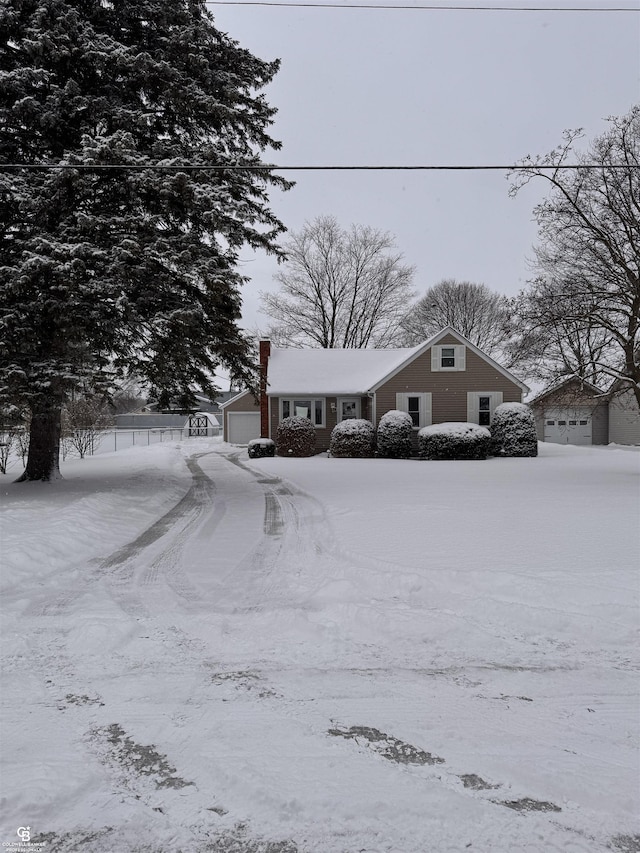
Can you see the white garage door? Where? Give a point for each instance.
(242, 427)
(568, 426)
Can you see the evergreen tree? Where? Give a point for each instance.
(112, 271)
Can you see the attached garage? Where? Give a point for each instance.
(243, 427)
(241, 418)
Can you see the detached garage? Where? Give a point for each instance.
(574, 412)
(568, 426)
(241, 419)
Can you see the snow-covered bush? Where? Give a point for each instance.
(296, 436)
(513, 431)
(259, 447)
(454, 441)
(353, 438)
(394, 435)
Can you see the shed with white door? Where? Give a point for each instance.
(572, 412)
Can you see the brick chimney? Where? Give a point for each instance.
(265, 352)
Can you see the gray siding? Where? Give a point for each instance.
(624, 419)
(448, 389)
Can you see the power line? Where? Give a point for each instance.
(251, 167)
(421, 7)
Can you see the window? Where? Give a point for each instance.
(481, 405)
(311, 409)
(583, 423)
(348, 407)
(418, 405)
(562, 423)
(484, 411)
(551, 423)
(573, 423)
(449, 357)
(413, 408)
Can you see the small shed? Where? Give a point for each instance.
(202, 424)
(572, 412)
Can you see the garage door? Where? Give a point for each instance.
(568, 427)
(242, 427)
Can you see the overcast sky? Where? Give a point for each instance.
(414, 87)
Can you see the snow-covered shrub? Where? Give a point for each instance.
(394, 435)
(296, 436)
(513, 431)
(353, 438)
(259, 447)
(454, 441)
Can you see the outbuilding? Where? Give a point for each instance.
(572, 412)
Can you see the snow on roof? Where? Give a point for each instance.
(331, 371)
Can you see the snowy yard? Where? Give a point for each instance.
(206, 653)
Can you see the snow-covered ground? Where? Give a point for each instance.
(206, 653)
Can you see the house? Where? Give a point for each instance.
(572, 412)
(446, 378)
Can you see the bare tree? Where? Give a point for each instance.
(11, 434)
(588, 256)
(339, 288)
(7, 439)
(560, 346)
(83, 419)
(482, 316)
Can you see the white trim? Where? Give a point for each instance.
(459, 357)
(234, 398)
(303, 398)
(340, 400)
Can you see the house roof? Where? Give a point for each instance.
(236, 396)
(351, 371)
(587, 387)
(330, 371)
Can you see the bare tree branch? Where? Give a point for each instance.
(582, 313)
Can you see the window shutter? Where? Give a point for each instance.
(472, 407)
(402, 402)
(496, 399)
(461, 357)
(426, 418)
(435, 358)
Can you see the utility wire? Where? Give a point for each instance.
(250, 167)
(421, 7)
